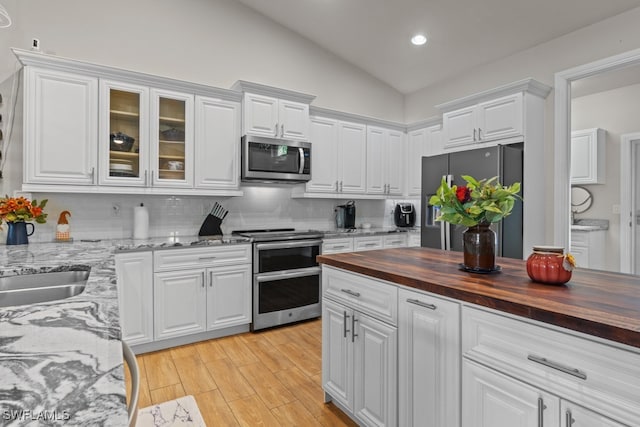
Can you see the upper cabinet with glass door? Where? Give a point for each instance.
(172, 139)
(124, 142)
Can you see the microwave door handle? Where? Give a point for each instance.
(301, 152)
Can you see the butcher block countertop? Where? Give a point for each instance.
(598, 303)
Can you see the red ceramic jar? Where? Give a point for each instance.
(544, 265)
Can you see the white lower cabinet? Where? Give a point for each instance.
(491, 399)
(180, 303)
(359, 352)
(134, 274)
(428, 360)
(190, 300)
(572, 415)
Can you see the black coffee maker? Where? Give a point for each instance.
(346, 215)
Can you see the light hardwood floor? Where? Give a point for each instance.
(268, 378)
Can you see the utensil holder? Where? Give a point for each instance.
(210, 227)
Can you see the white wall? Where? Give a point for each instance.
(615, 35)
(617, 112)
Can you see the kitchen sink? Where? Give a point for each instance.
(41, 287)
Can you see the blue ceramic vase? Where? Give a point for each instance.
(17, 233)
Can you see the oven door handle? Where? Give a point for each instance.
(284, 245)
(279, 275)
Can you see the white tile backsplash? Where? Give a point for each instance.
(262, 206)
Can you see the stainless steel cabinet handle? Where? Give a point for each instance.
(474, 134)
(341, 186)
(568, 419)
(344, 323)
(571, 371)
(151, 182)
(350, 292)
(275, 131)
(146, 172)
(421, 303)
(203, 279)
(353, 327)
(541, 408)
(337, 185)
(479, 134)
(93, 173)
(282, 130)
(211, 279)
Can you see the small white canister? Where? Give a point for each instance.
(140, 222)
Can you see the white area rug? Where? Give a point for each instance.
(180, 412)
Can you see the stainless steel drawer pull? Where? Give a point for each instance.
(568, 421)
(344, 323)
(350, 292)
(370, 244)
(571, 371)
(339, 246)
(206, 258)
(421, 304)
(353, 328)
(541, 408)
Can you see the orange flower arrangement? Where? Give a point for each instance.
(17, 209)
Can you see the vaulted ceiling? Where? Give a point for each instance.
(374, 34)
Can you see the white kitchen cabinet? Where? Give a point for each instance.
(337, 245)
(368, 243)
(352, 158)
(276, 118)
(496, 119)
(323, 135)
(217, 136)
(359, 364)
(590, 373)
(229, 296)
(201, 289)
(428, 360)
(179, 303)
(385, 161)
(588, 156)
(134, 274)
(394, 240)
(491, 399)
(413, 240)
(572, 415)
(60, 127)
(420, 143)
(161, 124)
(587, 247)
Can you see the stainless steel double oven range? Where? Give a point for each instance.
(286, 276)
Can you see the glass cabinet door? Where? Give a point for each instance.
(172, 129)
(123, 137)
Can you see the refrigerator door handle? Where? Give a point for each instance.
(447, 232)
(443, 237)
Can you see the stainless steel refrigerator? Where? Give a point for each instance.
(503, 161)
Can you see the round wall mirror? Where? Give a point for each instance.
(581, 199)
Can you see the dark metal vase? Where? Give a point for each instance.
(17, 233)
(479, 248)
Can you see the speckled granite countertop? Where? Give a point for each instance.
(61, 361)
(359, 232)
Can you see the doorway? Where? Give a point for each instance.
(630, 203)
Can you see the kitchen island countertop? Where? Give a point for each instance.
(597, 303)
(62, 360)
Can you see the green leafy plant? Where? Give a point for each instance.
(479, 202)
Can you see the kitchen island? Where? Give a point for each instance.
(61, 361)
(426, 328)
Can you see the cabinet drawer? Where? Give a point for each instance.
(395, 240)
(593, 374)
(367, 243)
(371, 296)
(335, 246)
(173, 259)
(581, 238)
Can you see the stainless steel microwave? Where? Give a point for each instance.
(271, 159)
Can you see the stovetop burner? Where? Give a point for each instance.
(274, 234)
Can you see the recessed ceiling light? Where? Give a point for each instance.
(418, 39)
